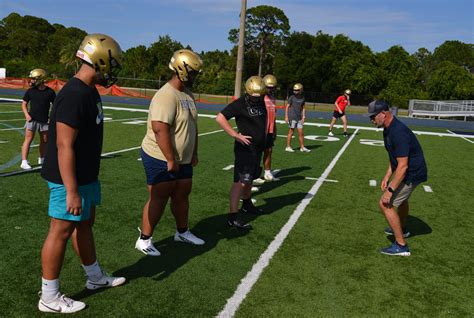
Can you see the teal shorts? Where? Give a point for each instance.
(90, 194)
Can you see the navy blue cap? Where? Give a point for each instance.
(376, 107)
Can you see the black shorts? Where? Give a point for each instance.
(247, 166)
(337, 114)
(270, 141)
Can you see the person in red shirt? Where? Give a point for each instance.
(270, 82)
(339, 111)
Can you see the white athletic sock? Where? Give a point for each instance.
(268, 171)
(24, 161)
(49, 289)
(93, 271)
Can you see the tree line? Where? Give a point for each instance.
(323, 63)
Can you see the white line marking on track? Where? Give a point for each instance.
(228, 167)
(253, 275)
(325, 180)
(427, 188)
(449, 131)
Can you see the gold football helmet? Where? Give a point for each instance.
(347, 92)
(298, 87)
(255, 86)
(37, 77)
(270, 81)
(104, 54)
(186, 64)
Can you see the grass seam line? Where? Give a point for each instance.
(246, 284)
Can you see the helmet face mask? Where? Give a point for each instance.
(104, 54)
(297, 89)
(255, 86)
(186, 65)
(37, 77)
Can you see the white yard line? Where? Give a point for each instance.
(253, 275)
(135, 148)
(325, 180)
(461, 136)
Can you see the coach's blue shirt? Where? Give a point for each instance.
(400, 141)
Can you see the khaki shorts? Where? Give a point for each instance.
(402, 193)
(36, 126)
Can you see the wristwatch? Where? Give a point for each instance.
(390, 190)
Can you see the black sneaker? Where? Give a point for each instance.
(251, 209)
(389, 231)
(238, 224)
(345, 134)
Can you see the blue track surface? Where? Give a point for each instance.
(459, 126)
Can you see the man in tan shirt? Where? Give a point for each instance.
(169, 152)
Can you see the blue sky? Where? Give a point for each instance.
(204, 24)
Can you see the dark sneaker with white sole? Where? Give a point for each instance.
(251, 209)
(389, 231)
(238, 224)
(396, 250)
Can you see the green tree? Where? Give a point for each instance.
(457, 52)
(265, 29)
(450, 81)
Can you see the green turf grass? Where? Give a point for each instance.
(328, 266)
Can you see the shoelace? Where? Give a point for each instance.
(68, 301)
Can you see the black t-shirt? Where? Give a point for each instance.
(400, 141)
(251, 121)
(79, 106)
(39, 101)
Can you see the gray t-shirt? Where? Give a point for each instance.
(296, 106)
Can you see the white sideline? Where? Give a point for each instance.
(253, 275)
(143, 110)
(449, 131)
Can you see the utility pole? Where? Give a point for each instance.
(240, 51)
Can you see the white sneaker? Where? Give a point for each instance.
(258, 181)
(105, 281)
(188, 237)
(331, 134)
(289, 149)
(146, 246)
(25, 166)
(270, 177)
(304, 149)
(61, 304)
(40, 161)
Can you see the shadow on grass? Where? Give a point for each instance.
(415, 226)
(175, 254)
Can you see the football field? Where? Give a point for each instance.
(314, 253)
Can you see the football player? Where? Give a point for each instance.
(270, 82)
(170, 151)
(71, 168)
(295, 116)
(39, 98)
(340, 111)
(250, 116)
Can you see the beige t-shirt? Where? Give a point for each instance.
(177, 109)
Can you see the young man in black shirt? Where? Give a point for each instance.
(251, 117)
(71, 168)
(406, 170)
(40, 97)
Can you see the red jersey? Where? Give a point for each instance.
(270, 105)
(342, 101)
